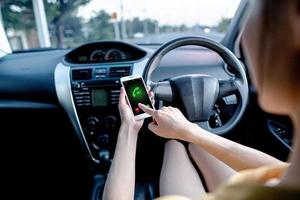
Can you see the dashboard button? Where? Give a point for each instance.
(82, 97)
(103, 140)
(100, 71)
(83, 101)
(104, 155)
(110, 121)
(92, 124)
(115, 91)
(76, 85)
(83, 104)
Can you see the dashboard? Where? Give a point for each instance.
(88, 89)
(105, 52)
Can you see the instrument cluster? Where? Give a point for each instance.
(105, 52)
(109, 55)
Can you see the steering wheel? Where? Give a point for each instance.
(199, 92)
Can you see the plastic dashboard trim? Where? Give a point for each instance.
(64, 94)
(65, 98)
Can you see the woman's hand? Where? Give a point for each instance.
(169, 123)
(127, 117)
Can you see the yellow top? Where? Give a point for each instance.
(253, 184)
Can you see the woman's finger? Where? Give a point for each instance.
(153, 127)
(122, 96)
(151, 95)
(152, 101)
(147, 109)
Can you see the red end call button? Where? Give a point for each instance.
(137, 110)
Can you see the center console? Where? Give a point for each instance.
(95, 92)
(87, 83)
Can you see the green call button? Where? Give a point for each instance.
(137, 92)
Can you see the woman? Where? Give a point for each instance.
(271, 42)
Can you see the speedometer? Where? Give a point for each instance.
(115, 55)
(97, 56)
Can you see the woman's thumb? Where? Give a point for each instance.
(153, 127)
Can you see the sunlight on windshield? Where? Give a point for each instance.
(72, 23)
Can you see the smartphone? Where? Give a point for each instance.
(136, 93)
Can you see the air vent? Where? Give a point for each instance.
(81, 74)
(117, 72)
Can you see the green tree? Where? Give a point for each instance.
(58, 13)
(183, 28)
(146, 26)
(72, 31)
(167, 28)
(100, 27)
(223, 24)
(137, 25)
(17, 14)
(150, 26)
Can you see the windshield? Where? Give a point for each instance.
(33, 24)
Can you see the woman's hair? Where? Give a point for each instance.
(276, 38)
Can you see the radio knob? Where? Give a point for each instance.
(76, 85)
(104, 155)
(92, 124)
(103, 140)
(110, 121)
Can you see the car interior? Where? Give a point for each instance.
(60, 119)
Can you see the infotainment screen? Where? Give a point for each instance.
(99, 97)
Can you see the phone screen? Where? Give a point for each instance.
(136, 93)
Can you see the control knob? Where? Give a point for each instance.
(76, 85)
(103, 140)
(110, 121)
(92, 124)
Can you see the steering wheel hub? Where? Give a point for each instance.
(198, 93)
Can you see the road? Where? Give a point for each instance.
(165, 37)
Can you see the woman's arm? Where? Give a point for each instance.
(170, 123)
(235, 155)
(121, 179)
